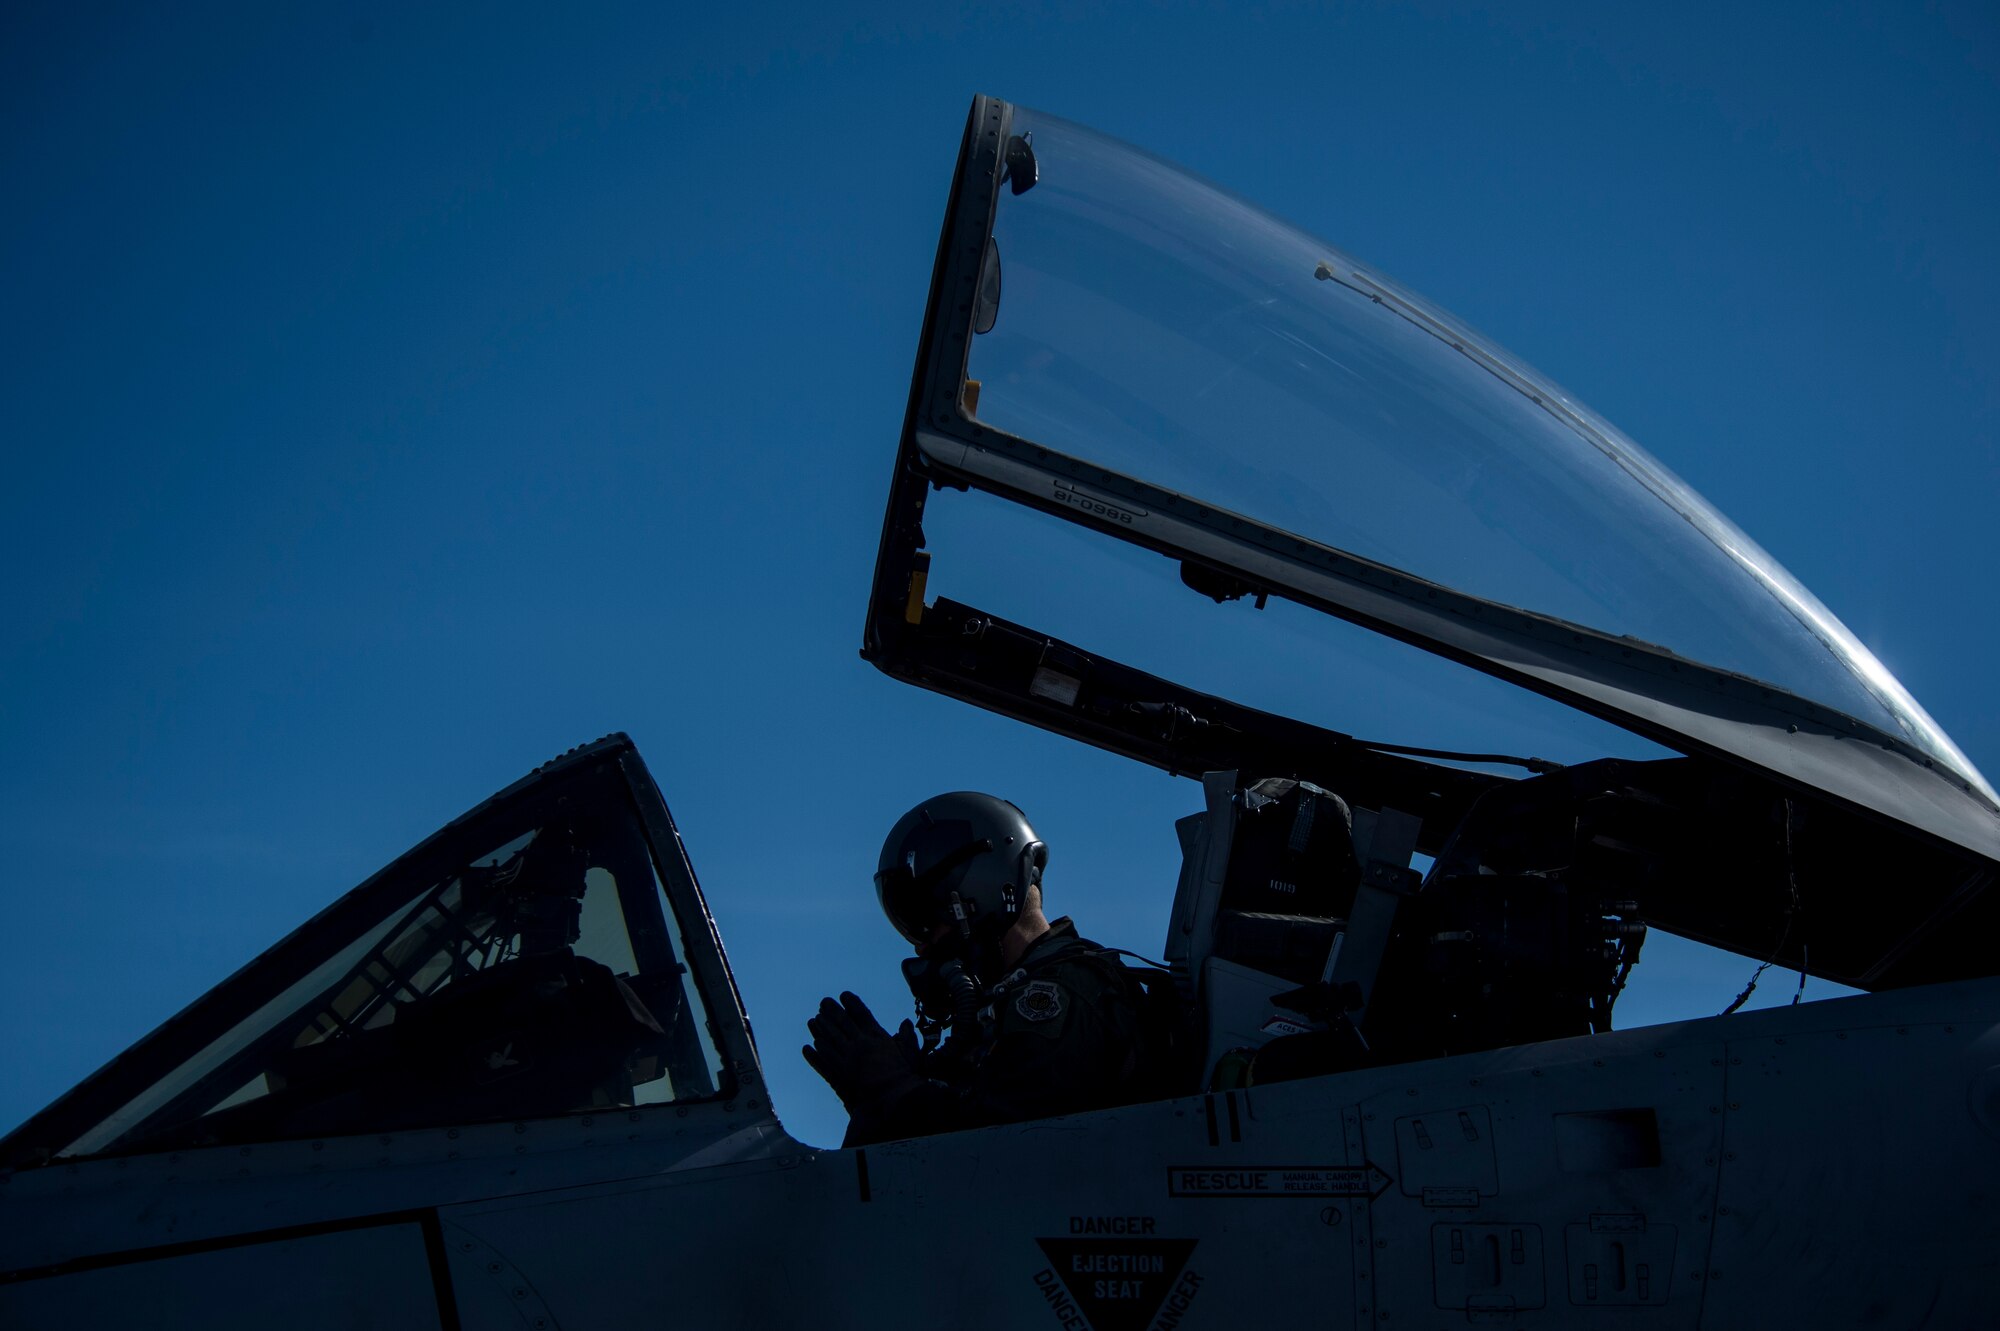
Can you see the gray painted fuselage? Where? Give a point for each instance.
(1823, 1165)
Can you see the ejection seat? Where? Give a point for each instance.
(1284, 910)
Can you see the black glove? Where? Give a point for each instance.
(868, 1068)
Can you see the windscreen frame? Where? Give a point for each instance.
(611, 764)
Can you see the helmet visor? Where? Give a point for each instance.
(914, 899)
(905, 903)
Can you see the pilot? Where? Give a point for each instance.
(1041, 1020)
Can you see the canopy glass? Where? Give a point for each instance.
(1140, 319)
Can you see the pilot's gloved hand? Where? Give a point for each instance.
(868, 1068)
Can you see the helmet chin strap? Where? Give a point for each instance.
(978, 949)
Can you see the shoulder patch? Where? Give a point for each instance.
(1042, 1000)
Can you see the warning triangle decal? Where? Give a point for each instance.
(1119, 1283)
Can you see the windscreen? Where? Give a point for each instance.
(539, 971)
(1145, 321)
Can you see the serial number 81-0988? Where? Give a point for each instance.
(1089, 505)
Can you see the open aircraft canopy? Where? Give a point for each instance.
(1114, 341)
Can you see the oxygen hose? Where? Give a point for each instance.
(964, 995)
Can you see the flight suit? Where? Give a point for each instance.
(1068, 1030)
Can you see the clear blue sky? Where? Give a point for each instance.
(391, 401)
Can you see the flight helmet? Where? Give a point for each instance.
(963, 859)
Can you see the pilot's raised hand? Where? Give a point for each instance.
(868, 1068)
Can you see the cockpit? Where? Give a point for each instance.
(1240, 440)
(1240, 436)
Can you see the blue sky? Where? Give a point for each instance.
(392, 401)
